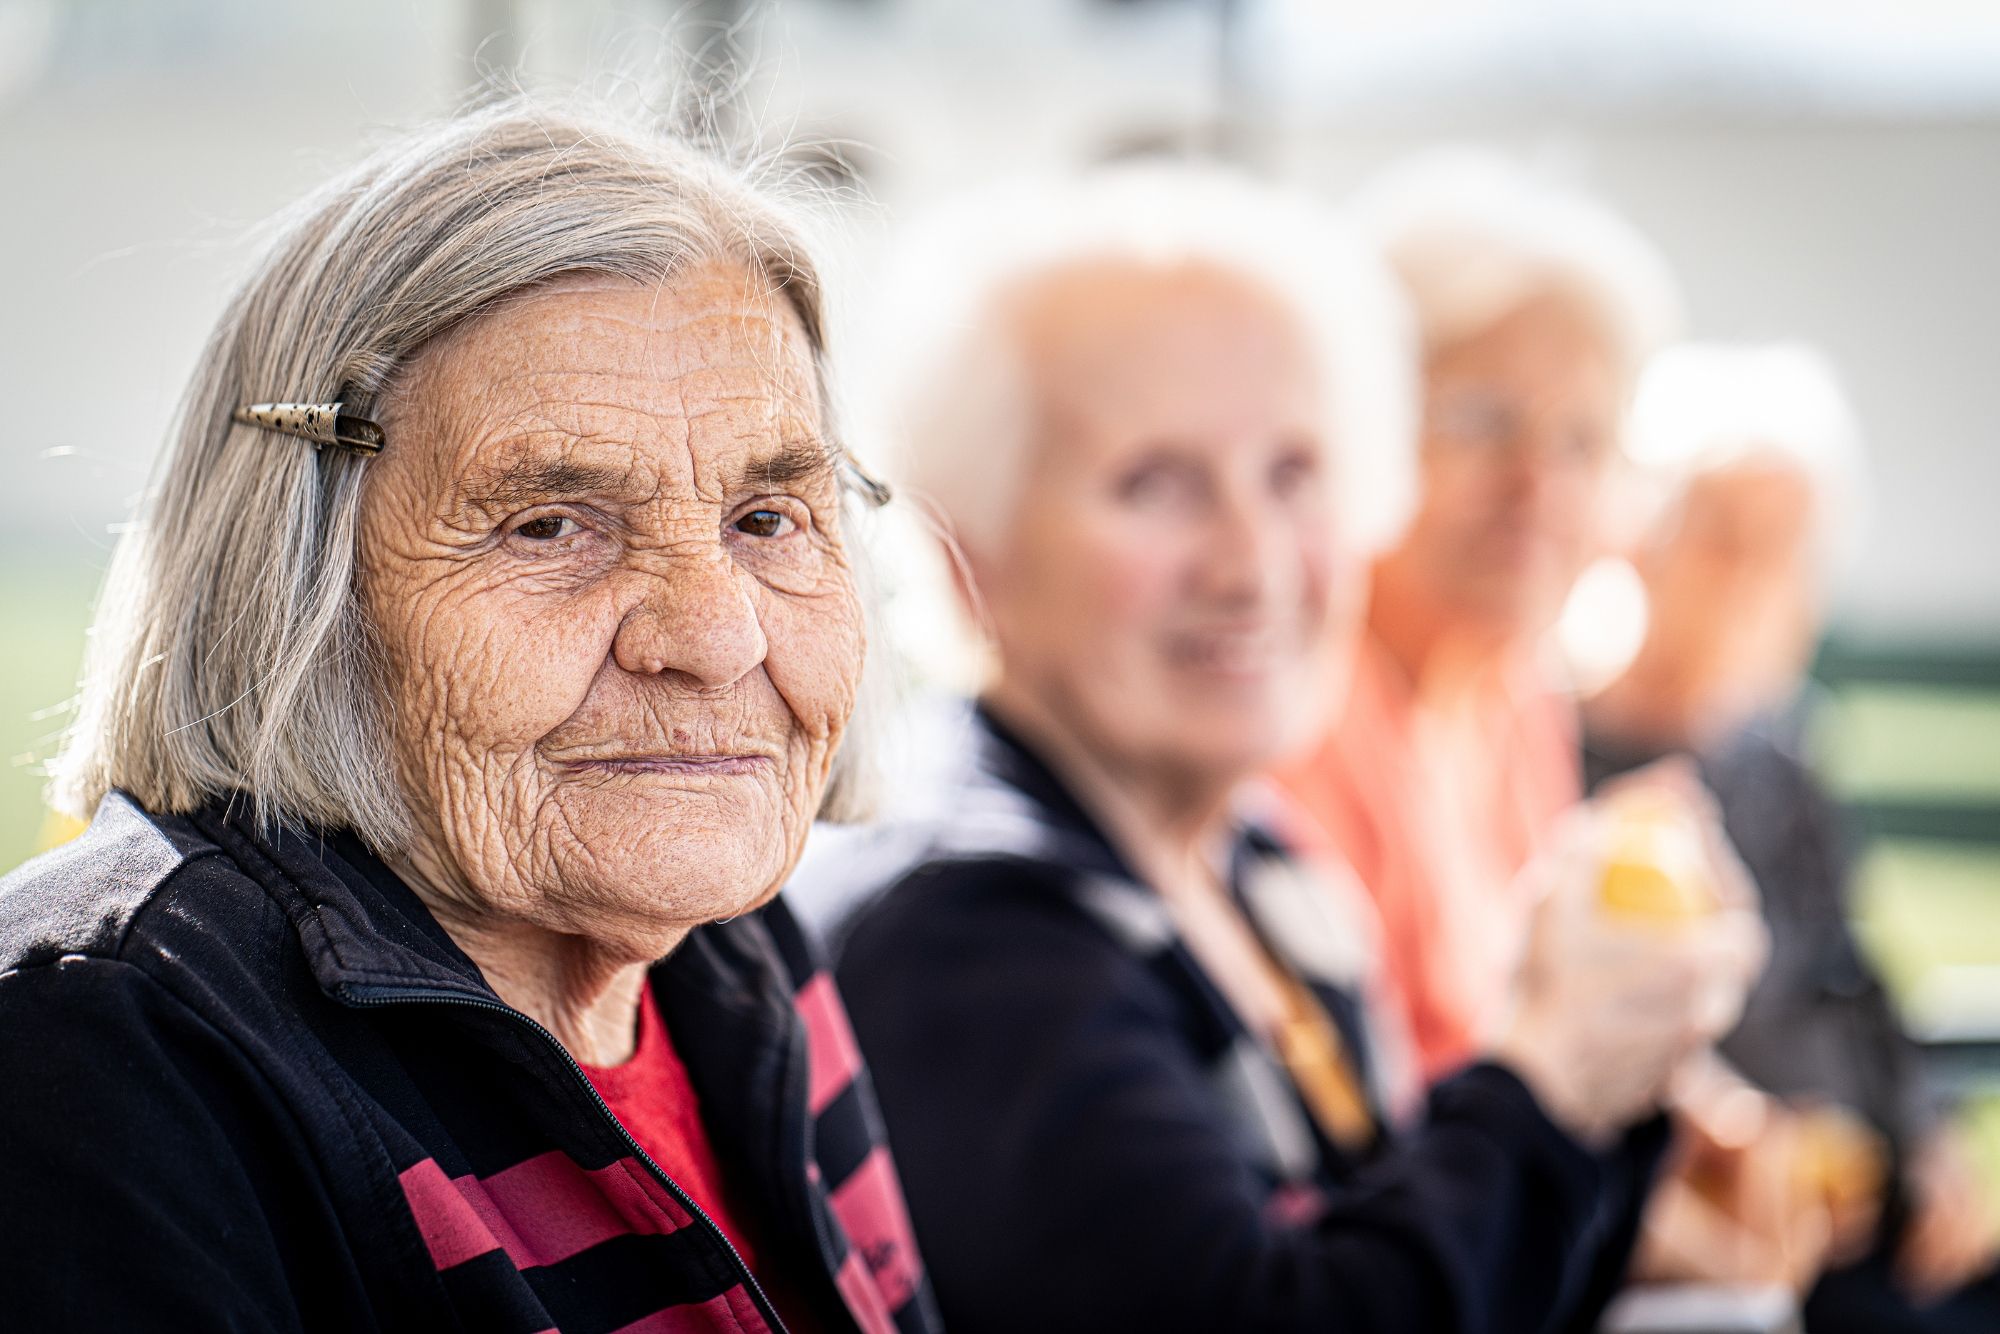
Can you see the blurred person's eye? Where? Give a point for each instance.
(1475, 417)
(1295, 470)
(1584, 444)
(1159, 479)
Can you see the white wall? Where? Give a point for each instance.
(122, 193)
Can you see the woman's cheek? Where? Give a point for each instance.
(1328, 582)
(815, 647)
(520, 664)
(1133, 575)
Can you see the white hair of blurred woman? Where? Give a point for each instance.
(1707, 407)
(1475, 236)
(940, 381)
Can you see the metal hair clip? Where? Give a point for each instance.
(873, 489)
(322, 423)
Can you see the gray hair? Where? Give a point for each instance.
(943, 387)
(1474, 236)
(229, 656)
(1705, 407)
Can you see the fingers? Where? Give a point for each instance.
(1675, 782)
(1675, 775)
(1935, 1258)
(1733, 883)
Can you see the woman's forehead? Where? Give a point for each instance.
(1186, 351)
(714, 319)
(676, 378)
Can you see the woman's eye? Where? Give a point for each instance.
(1585, 443)
(763, 523)
(547, 528)
(1292, 474)
(1156, 481)
(1473, 418)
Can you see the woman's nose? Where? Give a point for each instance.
(697, 619)
(1241, 560)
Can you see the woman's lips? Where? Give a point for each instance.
(703, 766)
(1246, 652)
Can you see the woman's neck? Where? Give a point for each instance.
(1444, 659)
(1170, 825)
(1172, 829)
(583, 992)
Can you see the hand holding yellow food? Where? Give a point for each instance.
(1656, 864)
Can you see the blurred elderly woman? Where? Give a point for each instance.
(1751, 461)
(1448, 766)
(1121, 1034)
(453, 716)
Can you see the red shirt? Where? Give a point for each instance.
(653, 1097)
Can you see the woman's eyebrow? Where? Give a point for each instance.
(525, 481)
(532, 480)
(793, 461)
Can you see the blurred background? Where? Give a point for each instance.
(1817, 169)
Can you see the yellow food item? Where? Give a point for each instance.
(1840, 1156)
(1657, 864)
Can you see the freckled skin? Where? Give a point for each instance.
(580, 581)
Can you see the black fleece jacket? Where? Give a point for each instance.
(251, 1084)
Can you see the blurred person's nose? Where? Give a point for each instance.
(1249, 550)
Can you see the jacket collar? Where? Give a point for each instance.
(1008, 773)
(364, 931)
(1009, 770)
(1307, 927)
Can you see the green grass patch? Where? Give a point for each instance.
(45, 604)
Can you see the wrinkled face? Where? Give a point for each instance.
(602, 555)
(1521, 422)
(1732, 586)
(1166, 580)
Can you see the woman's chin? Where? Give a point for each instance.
(677, 871)
(1246, 744)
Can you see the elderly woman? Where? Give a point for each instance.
(1753, 459)
(1452, 758)
(454, 714)
(1121, 1035)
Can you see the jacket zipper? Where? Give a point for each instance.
(399, 996)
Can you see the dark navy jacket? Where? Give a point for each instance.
(1091, 1141)
(251, 1084)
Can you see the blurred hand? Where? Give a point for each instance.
(1606, 1008)
(1688, 1237)
(1951, 1238)
(1759, 1191)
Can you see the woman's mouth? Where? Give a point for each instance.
(684, 766)
(1247, 652)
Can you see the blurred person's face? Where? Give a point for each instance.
(1165, 583)
(1521, 422)
(1732, 586)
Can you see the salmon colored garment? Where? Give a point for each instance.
(1438, 814)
